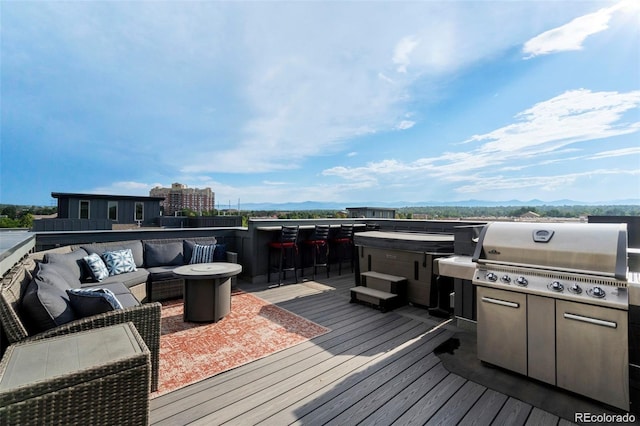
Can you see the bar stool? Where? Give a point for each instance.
(343, 243)
(287, 248)
(319, 244)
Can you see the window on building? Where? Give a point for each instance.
(112, 207)
(84, 209)
(139, 214)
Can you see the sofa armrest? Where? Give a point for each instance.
(232, 257)
(146, 319)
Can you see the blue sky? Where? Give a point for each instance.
(345, 101)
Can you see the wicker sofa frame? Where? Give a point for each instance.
(79, 397)
(172, 288)
(152, 289)
(146, 317)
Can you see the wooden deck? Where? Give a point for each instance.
(372, 368)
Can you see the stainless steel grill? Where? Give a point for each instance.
(552, 304)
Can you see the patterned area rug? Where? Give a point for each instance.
(190, 352)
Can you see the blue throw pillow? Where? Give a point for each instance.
(203, 254)
(220, 255)
(97, 267)
(119, 261)
(89, 302)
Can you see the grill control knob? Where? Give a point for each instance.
(492, 277)
(597, 292)
(556, 286)
(522, 281)
(575, 288)
(506, 279)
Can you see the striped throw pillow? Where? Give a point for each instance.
(202, 253)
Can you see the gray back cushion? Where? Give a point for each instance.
(46, 303)
(134, 245)
(70, 265)
(163, 254)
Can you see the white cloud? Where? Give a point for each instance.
(615, 153)
(383, 77)
(310, 92)
(539, 133)
(571, 36)
(576, 115)
(402, 53)
(405, 124)
(124, 188)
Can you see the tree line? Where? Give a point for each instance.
(573, 211)
(13, 216)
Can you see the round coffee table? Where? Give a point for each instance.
(207, 290)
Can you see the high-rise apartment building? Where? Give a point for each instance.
(180, 197)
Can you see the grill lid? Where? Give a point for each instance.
(599, 249)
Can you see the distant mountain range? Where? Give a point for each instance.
(330, 205)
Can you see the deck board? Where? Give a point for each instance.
(431, 402)
(372, 367)
(455, 409)
(513, 412)
(539, 417)
(395, 397)
(319, 408)
(310, 382)
(485, 409)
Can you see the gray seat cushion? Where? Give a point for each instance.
(129, 279)
(163, 254)
(121, 291)
(162, 273)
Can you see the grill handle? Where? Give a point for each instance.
(589, 320)
(500, 302)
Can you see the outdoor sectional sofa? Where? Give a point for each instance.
(35, 303)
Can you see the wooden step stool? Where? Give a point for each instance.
(384, 282)
(380, 290)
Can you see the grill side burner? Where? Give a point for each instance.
(563, 289)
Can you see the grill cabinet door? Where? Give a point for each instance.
(502, 328)
(592, 357)
(541, 338)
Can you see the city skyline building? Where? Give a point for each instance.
(179, 197)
